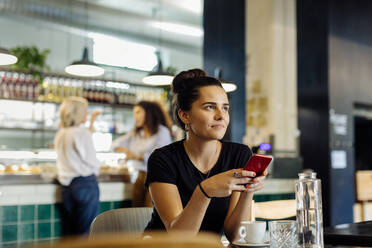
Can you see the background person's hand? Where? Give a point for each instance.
(93, 117)
(129, 155)
(223, 184)
(95, 114)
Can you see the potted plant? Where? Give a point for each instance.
(32, 60)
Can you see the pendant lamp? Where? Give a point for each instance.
(6, 58)
(158, 76)
(84, 67)
(227, 86)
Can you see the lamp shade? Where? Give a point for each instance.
(6, 58)
(227, 86)
(84, 67)
(158, 76)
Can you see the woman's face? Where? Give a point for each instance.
(209, 115)
(139, 116)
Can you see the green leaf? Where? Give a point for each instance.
(31, 59)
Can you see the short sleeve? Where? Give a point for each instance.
(160, 169)
(243, 155)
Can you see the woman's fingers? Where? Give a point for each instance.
(242, 173)
(259, 179)
(243, 180)
(240, 188)
(246, 173)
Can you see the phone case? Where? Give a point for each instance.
(258, 163)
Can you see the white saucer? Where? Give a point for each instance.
(242, 244)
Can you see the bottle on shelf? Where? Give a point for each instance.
(35, 88)
(24, 86)
(10, 85)
(3, 85)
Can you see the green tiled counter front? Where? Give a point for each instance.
(31, 213)
(26, 224)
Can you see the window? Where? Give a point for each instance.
(109, 50)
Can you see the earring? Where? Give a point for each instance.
(187, 127)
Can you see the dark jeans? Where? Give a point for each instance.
(80, 201)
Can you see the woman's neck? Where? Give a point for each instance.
(203, 153)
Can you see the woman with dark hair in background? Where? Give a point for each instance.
(198, 184)
(152, 130)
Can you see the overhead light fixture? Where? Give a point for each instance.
(227, 86)
(84, 67)
(158, 76)
(6, 58)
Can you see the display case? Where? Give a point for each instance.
(39, 166)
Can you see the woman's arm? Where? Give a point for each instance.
(169, 206)
(93, 118)
(240, 208)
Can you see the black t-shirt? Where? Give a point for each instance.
(171, 164)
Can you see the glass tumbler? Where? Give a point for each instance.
(283, 234)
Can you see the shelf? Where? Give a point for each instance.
(28, 129)
(44, 130)
(112, 105)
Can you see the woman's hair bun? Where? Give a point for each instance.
(181, 81)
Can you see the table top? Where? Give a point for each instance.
(357, 234)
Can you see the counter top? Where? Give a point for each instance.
(110, 190)
(51, 193)
(19, 179)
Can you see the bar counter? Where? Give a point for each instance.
(30, 210)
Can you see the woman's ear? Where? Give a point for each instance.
(184, 116)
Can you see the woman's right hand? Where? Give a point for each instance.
(223, 184)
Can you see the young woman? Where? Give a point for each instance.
(77, 166)
(197, 184)
(152, 131)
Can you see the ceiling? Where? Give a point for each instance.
(129, 19)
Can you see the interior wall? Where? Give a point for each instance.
(224, 46)
(271, 73)
(334, 72)
(350, 63)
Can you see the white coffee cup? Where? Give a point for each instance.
(252, 232)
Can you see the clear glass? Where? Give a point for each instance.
(283, 234)
(309, 211)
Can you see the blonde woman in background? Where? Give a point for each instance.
(152, 130)
(77, 166)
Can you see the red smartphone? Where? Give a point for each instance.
(258, 163)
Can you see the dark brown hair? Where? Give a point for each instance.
(155, 115)
(185, 87)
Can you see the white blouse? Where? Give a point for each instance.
(140, 145)
(76, 155)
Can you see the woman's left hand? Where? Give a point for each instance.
(257, 183)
